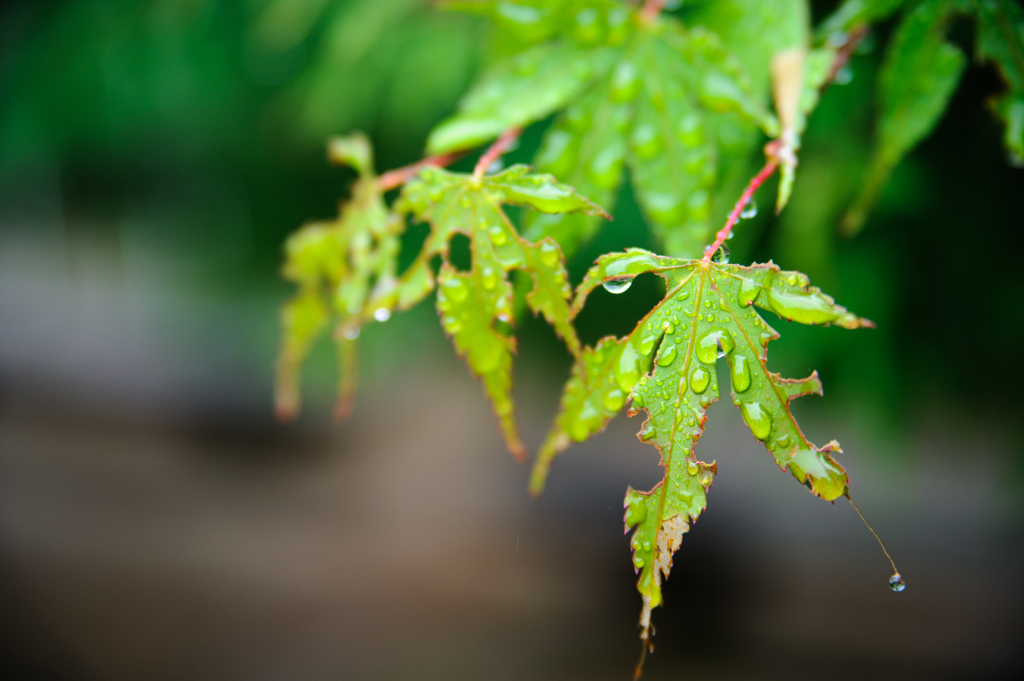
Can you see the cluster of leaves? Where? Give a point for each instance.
(628, 87)
(346, 270)
(922, 69)
(650, 95)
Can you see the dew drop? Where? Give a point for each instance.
(699, 380)
(614, 399)
(721, 256)
(691, 467)
(489, 278)
(638, 561)
(896, 583)
(638, 400)
(740, 373)
(667, 355)
(350, 332)
(618, 285)
(646, 345)
(382, 314)
(549, 255)
(748, 291)
(758, 420)
(713, 345)
(667, 327)
(455, 289)
(636, 511)
(844, 76)
(749, 210)
(498, 236)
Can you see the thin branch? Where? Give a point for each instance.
(844, 52)
(399, 176)
(766, 172)
(650, 10)
(495, 151)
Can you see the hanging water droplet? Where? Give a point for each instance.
(382, 314)
(667, 355)
(699, 380)
(350, 332)
(749, 209)
(618, 285)
(844, 76)
(758, 419)
(896, 583)
(721, 256)
(495, 166)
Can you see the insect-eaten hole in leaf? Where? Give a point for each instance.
(460, 252)
(411, 242)
(618, 313)
(503, 326)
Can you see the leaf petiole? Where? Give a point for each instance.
(748, 193)
(494, 152)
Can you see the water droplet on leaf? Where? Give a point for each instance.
(667, 354)
(498, 236)
(758, 419)
(699, 380)
(549, 255)
(740, 374)
(489, 278)
(614, 399)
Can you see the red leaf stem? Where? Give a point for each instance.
(495, 151)
(399, 176)
(745, 197)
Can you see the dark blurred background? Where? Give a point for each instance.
(157, 523)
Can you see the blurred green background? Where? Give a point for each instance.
(153, 157)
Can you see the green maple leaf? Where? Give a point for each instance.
(667, 367)
(346, 272)
(853, 13)
(1001, 39)
(645, 95)
(476, 306)
(917, 80)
